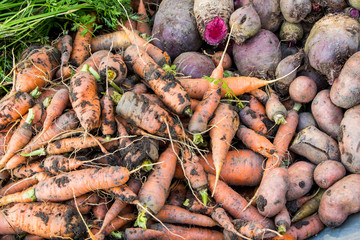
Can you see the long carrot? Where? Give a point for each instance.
(141, 112)
(196, 88)
(19, 139)
(159, 56)
(47, 220)
(234, 203)
(66, 121)
(108, 124)
(13, 107)
(224, 125)
(22, 184)
(163, 84)
(252, 120)
(178, 215)
(84, 99)
(154, 192)
(56, 164)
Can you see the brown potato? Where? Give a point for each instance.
(328, 172)
(301, 179)
(315, 145)
(349, 139)
(340, 200)
(327, 115)
(303, 89)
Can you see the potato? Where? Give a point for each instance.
(301, 179)
(345, 92)
(349, 139)
(340, 200)
(194, 64)
(305, 119)
(271, 193)
(302, 89)
(328, 172)
(315, 145)
(175, 29)
(227, 62)
(327, 115)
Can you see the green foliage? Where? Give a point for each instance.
(170, 69)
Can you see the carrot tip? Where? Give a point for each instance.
(204, 196)
(141, 220)
(198, 139)
(216, 180)
(282, 229)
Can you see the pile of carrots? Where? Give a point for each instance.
(98, 140)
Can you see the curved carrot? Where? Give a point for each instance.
(163, 84)
(154, 192)
(14, 107)
(224, 125)
(84, 99)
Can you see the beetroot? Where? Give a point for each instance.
(295, 10)
(212, 18)
(269, 13)
(174, 29)
(329, 3)
(194, 64)
(332, 40)
(291, 32)
(259, 55)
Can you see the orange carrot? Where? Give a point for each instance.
(24, 196)
(196, 88)
(241, 167)
(257, 107)
(84, 99)
(39, 117)
(114, 40)
(206, 108)
(177, 195)
(5, 136)
(224, 125)
(178, 215)
(186, 233)
(234, 203)
(38, 67)
(77, 183)
(159, 56)
(252, 120)
(142, 25)
(117, 223)
(163, 84)
(19, 139)
(66, 45)
(139, 88)
(138, 110)
(33, 237)
(113, 68)
(20, 185)
(154, 192)
(195, 174)
(13, 107)
(81, 44)
(282, 221)
(192, 204)
(123, 193)
(56, 164)
(252, 230)
(47, 220)
(57, 105)
(99, 210)
(260, 95)
(255, 141)
(66, 121)
(28, 170)
(108, 125)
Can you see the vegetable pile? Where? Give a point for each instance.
(179, 119)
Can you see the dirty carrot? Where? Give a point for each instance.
(142, 24)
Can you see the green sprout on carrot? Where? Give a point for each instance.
(170, 69)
